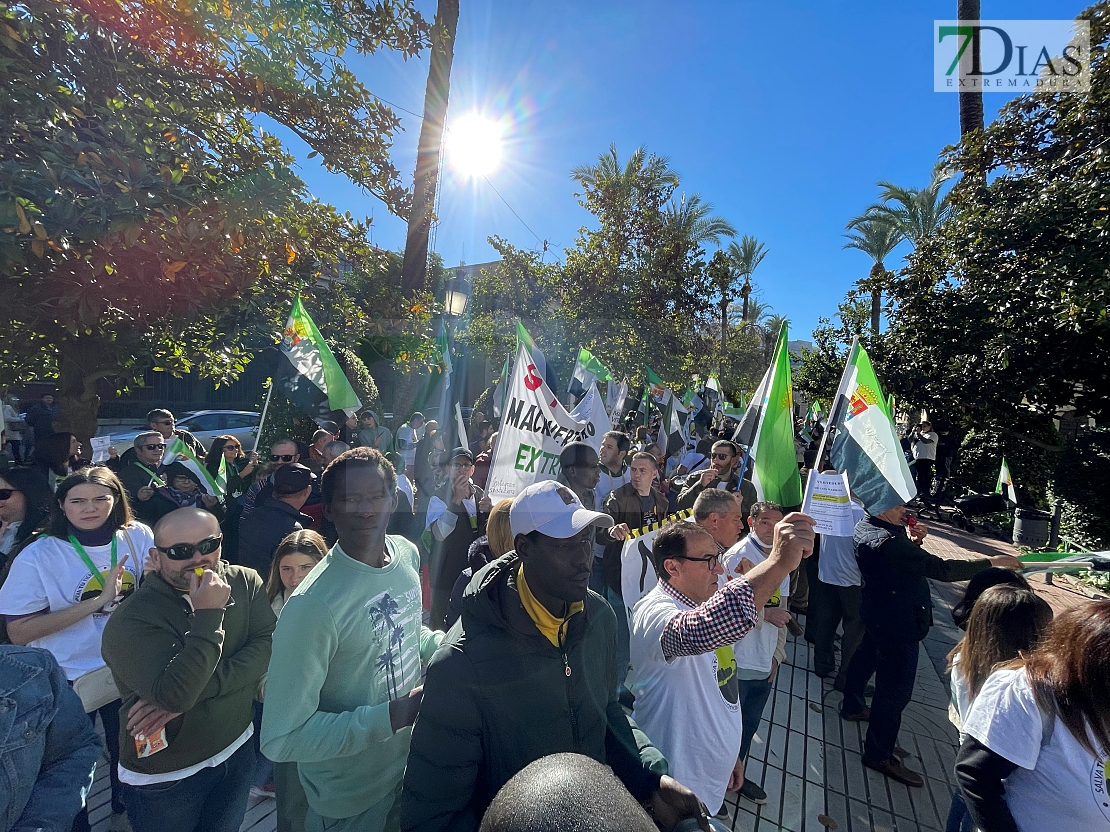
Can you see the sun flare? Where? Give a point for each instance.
(474, 145)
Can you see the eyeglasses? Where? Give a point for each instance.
(281, 457)
(462, 465)
(711, 561)
(184, 551)
(161, 447)
(232, 448)
(722, 456)
(6, 493)
(164, 422)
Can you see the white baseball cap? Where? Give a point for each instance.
(551, 508)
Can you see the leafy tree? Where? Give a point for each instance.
(145, 221)
(1003, 312)
(818, 375)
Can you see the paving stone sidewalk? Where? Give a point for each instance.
(807, 758)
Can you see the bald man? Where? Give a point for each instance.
(187, 654)
(565, 791)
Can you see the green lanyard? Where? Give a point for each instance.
(88, 561)
(154, 476)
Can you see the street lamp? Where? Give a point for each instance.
(456, 296)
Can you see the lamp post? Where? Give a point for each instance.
(456, 299)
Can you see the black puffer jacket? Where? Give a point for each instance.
(897, 604)
(499, 696)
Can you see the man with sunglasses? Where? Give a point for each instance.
(187, 652)
(282, 452)
(140, 471)
(164, 423)
(722, 473)
(683, 665)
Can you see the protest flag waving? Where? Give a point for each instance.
(308, 373)
(865, 444)
(587, 370)
(178, 451)
(767, 430)
(1006, 481)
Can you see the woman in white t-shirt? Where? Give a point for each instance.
(1006, 622)
(1036, 752)
(63, 586)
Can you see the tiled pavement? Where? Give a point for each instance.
(807, 758)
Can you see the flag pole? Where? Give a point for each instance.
(262, 419)
(830, 425)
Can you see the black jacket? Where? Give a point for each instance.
(689, 495)
(499, 696)
(262, 531)
(897, 604)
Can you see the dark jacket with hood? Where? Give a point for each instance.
(262, 532)
(499, 696)
(897, 605)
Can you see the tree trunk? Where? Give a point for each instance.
(724, 325)
(876, 309)
(414, 268)
(971, 101)
(79, 369)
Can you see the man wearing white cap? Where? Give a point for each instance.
(529, 671)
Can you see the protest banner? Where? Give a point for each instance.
(535, 428)
(637, 570)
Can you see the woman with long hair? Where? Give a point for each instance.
(25, 499)
(240, 469)
(294, 558)
(1036, 752)
(57, 455)
(63, 586)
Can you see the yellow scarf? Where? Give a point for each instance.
(552, 628)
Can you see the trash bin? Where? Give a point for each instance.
(1032, 528)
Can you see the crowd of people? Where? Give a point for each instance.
(380, 652)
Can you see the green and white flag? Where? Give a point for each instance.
(672, 436)
(655, 388)
(767, 429)
(178, 451)
(615, 394)
(587, 370)
(310, 377)
(1005, 480)
(538, 360)
(865, 445)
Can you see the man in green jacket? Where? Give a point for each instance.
(529, 670)
(344, 684)
(187, 652)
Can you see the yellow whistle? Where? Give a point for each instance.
(199, 571)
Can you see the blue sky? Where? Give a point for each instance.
(783, 116)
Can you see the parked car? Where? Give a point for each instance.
(205, 425)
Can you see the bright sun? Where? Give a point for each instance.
(474, 145)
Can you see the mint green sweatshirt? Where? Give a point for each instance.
(348, 641)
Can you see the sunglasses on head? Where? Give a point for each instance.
(184, 551)
(281, 457)
(160, 447)
(6, 493)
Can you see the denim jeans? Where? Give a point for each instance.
(109, 717)
(959, 818)
(894, 665)
(753, 698)
(212, 800)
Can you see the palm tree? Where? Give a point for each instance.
(692, 221)
(971, 100)
(610, 176)
(771, 324)
(915, 214)
(876, 238)
(746, 256)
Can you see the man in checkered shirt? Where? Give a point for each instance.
(683, 666)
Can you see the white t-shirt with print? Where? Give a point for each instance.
(1058, 784)
(50, 575)
(756, 650)
(689, 706)
(837, 564)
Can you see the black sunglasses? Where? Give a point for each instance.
(184, 551)
(712, 560)
(154, 447)
(281, 457)
(6, 493)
